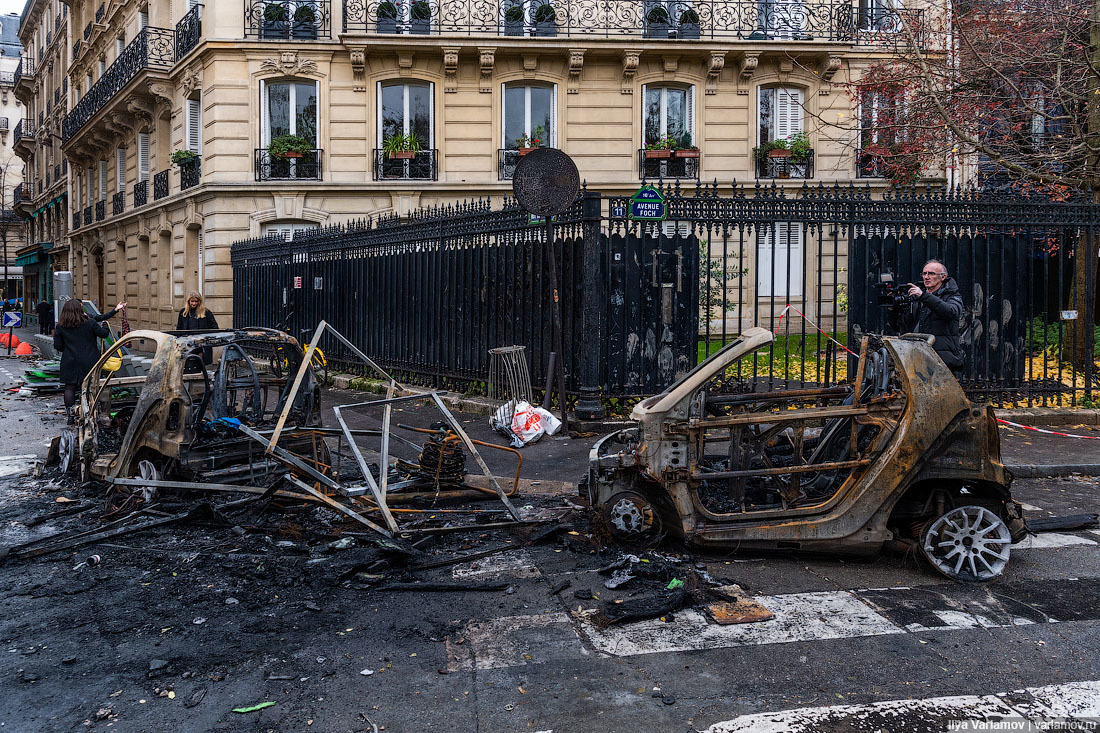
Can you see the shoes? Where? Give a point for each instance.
(71, 420)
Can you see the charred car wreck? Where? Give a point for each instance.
(898, 457)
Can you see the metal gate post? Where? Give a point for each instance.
(589, 406)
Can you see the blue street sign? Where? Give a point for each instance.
(648, 205)
(618, 212)
(13, 319)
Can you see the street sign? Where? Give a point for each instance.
(648, 204)
(618, 212)
(298, 282)
(13, 319)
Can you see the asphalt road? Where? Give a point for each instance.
(175, 629)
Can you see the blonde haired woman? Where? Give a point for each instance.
(195, 316)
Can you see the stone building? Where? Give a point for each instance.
(12, 236)
(179, 114)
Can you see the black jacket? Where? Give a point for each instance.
(188, 321)
(78, 348)
(939, 315)
(45, 312)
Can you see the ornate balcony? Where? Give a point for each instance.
(305, 168)
(746, 20)
(153, 48)
(87, 215)
(190, 173)
(17, 195)
(25, 69)
(420, 167)
(188, 31)
(870, 165)
(141, 193)
(668, 164)
(24, 133)
(76, 219)
(160, 185)
(296, 20)
(785, 167)
(118, 203)
(101, 210)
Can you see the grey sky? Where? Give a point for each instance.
(11, 6)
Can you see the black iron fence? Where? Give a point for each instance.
(118, 203)
(645, 301)
(304, 167)
(785, 166)
(188, 31)
(814, 20)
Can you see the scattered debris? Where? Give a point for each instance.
(1071, 521)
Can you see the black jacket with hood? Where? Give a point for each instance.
(939, 314)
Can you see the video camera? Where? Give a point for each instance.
(892, 294)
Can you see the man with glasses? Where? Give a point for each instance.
(936, 309)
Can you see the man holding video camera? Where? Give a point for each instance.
(935, 309)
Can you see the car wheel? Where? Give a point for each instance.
(632, 519)
(66, 449)
(969, 544)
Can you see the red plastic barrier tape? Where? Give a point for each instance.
(1049, 432)
(823, 333)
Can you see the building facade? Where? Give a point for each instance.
(40, 88)
(191, 127)
(11, 167)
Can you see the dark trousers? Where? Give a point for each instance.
(45, 327)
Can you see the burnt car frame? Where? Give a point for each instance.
(905, 460)
(170, 418)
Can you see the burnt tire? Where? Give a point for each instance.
(632, 520)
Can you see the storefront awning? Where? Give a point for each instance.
(28, 259)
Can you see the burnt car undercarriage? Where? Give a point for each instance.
(904, 461)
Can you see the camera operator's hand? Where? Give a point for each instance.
(914, 291)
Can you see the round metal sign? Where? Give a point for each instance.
(546, 181)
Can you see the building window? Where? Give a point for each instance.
(194, 125)
(779, 261)
(878, 15)
(287, 227)
(879, 130)
(143, 157)
(406, 109)
(289, 108)
(120, 169)
(780, 120)
(784, 19)
(143, 19)
(529, 113)
(669, 113)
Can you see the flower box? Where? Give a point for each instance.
(686, 153)
(525, 151)
(292, 154)
(402, 155)
(779, 153)
(651, 154)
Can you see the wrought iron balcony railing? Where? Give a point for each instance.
(87, 215)
(101, 210)
(141, 193)
(153, 48)
(785, 20)
(507, 159)
(99, 12)
(301, 20)
(190, 173)
(88, 31)
(118, 203)
(188, 31)
(668, 164)
(869, 165)
(24, 129)
(160, 185)
(421, 166)
(305, 168)
(17, 195)
(25, 68)
(785, 167)
(76, 219)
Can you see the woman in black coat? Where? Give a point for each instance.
(75, 338)
(195, 316)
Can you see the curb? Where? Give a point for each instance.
(1050, 416)
(1037, 470)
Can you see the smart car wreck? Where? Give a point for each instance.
(167, 416)
(908, 460)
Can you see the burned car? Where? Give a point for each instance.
(899, 457)
(174, 414)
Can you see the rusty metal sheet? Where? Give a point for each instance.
(743, 611)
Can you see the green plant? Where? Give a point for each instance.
(685, 143)
(276, 13)
(179, 157)
(657, 16)
(386, 11)
(536, 139)
(689, 17)
(545, 14)
(399, 143)
(514, 14)
(421, 10)
(800, 146)
(761, 151)
(283, 145)
(305, 14)
(665, 142)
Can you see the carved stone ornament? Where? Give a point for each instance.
(289, 64)
(487, 59)
(191, 81)
(358, 61)
(450, 70)
(786, 66)
(631, 57)
(576, 64)
(749, 62)
(714, 70)
(830, 66)
(162, 100)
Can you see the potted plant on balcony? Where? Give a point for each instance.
(800, 147)
(514, 20)
(662, 147)
(305, 21)
(385, 17)
(685, 148)
(182, 157)
(689, 24)
(288, 146)
(275, 20)
(420, 14)
(401, 147)
(656, 21)
(526, 143)
(546, 20)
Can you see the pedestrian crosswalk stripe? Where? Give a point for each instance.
(1050, 540)
(1074, 701)
(517, 564)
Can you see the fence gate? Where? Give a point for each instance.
(653, 312)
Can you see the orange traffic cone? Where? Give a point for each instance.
(24, 349)
(14, 341)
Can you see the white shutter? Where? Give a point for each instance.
(103, 180)
(690, 122)
(143, 156)
(194, 125)
(143, 20)
(265, 121)
(788, 112)
(644, 130)
(553, 136)
(120, 169)
(202, 262)
(91, 191)
(779, 261)
(119, 47)
(192, 3)
(431, 117)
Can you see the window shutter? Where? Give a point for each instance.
(202, 257)
(690, 122)
(90, 179)
(431, 116)
(143, 20)
(119, 47)
(788, 112)
(143, 156)
(191, 4)
(553, 141)
(265, 114)
(102, 180)
(120, 169)
(779, 261)
(194, 125)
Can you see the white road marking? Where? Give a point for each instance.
(1051, 540)
(953, 620)
(517, 564)
(1073, 700)
(16, 465)
(1030, 507)
(798, 617)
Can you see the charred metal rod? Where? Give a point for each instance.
(470, 527)
(196, 486)
(35, 521)
(459, 559)
(89, 539)
(782, 470)
(338, 506)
